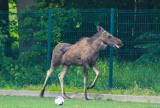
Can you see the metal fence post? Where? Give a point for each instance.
(111, 49)
(49, 39)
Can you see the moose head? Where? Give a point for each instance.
(108, 39)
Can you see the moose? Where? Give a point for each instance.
(83, 53)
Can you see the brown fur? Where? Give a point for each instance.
(83, 53)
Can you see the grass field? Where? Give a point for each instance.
(34, 102)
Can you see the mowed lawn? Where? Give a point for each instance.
(35, 102)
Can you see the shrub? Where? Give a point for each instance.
(149, 44)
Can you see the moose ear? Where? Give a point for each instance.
(100, 29)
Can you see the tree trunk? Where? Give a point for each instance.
(22, 5)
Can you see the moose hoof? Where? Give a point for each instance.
(41, 95)
(65, 97)
(85, 98)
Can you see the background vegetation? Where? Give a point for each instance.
(23, 41)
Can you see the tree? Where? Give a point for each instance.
(4, 19)
(23, 5)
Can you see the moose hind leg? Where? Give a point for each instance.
(61, 76)
(49, 73)
(85, 82)
(95, 79)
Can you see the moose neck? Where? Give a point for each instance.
(97, 43)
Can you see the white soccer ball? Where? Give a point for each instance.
(59, 100)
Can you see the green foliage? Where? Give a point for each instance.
(149, 44)
(24, 73)
(136, 74)
(13, 30)
(17, 74)
(1, 54)
(28, 66)
(36, 25)
(2, 40)
(1, 45)
(17, 71)
(60, 18)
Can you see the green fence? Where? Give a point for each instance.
(32, 35)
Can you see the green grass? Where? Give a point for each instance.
(34, 102)
(129, 78)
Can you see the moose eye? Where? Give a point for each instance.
(109, 36)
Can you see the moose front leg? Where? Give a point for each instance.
(85, 81)
(97, 75)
